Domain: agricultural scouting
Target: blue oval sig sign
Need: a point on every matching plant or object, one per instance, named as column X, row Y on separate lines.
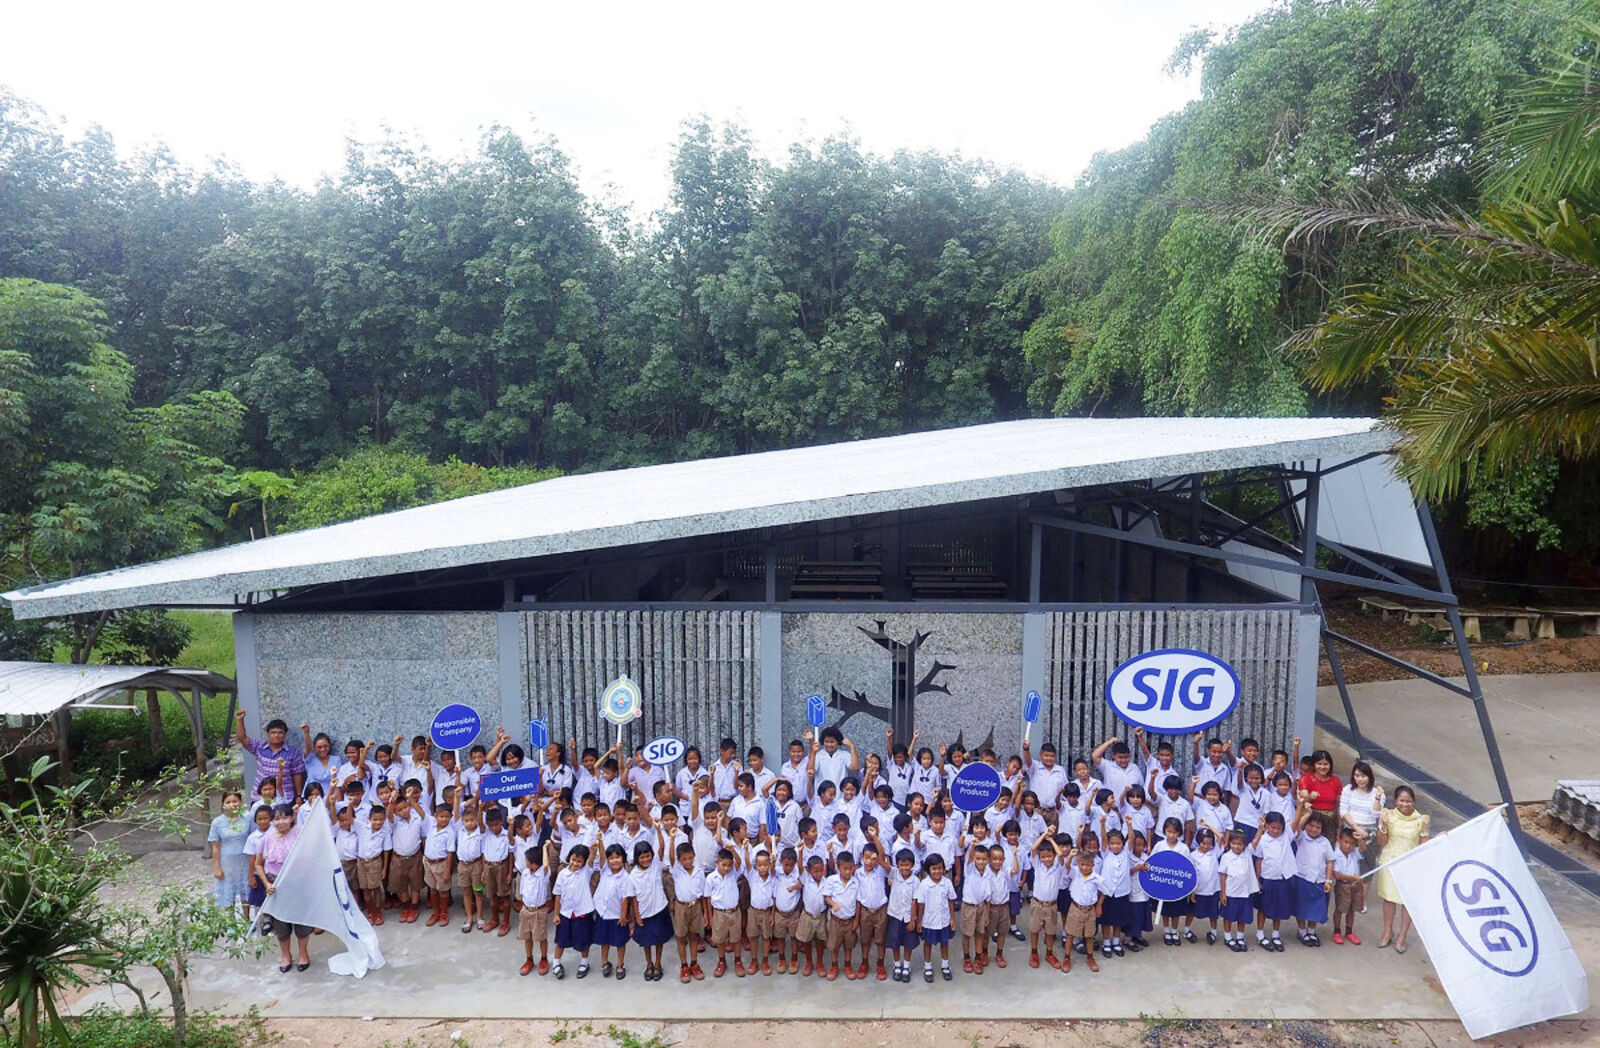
column 664, row 750
column 1173, row 691
column 1171, row 876
column 1490, row 918
column 975, row 787
column 455, row 726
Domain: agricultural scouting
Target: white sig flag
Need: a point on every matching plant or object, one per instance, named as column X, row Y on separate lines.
column 1499, row 950
column 312, row 889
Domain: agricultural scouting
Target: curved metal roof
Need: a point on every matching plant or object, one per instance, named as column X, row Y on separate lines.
column 43, row 687
column 711, row 496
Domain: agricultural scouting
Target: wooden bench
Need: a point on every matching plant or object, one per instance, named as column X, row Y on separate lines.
column 1520, row 622
column 835, row 590
column 1588, row 620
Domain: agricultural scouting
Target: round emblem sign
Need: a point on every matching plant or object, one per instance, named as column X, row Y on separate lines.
column 622, row 701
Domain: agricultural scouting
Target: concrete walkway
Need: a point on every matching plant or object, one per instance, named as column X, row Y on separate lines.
column 1547, row 726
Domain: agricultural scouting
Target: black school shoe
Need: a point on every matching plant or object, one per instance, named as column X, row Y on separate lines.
column 1211, row 938
column 927, row 974
column 948, row 975
column 1188, row 933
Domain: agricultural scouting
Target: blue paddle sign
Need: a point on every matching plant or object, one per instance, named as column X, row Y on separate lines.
column 538, row 736
column 1171, row 876
column 1030, row 707
column 772, row 816
column 517, row 782
column 816, row 711
column 455, row 726
column 975, row 787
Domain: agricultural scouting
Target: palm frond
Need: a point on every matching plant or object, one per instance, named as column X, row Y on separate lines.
column 1544, row 145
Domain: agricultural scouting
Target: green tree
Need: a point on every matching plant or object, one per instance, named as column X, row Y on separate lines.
column 1155, row 303
column 87, row 482
column 1486, row 330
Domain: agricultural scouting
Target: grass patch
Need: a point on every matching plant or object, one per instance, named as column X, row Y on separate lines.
column 103, row 1028
column 211, row 646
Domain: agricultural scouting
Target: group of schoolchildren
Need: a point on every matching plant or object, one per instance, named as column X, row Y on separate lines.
column 833, row 862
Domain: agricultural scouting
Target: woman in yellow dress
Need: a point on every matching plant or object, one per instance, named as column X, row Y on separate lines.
column 1400, row 829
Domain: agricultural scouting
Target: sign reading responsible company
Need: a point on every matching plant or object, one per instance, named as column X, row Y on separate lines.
column 455, row 726
column 1173, row 691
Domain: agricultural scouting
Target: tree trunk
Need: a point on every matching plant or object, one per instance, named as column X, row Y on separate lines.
column 173, row 977
column 158, row 735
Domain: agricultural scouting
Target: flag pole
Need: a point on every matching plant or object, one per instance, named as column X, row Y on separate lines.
column 1436, row 837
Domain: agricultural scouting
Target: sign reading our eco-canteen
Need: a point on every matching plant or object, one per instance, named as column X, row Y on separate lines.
column 975, row 787
column 1173, row 691
column 1171, row 876
column 455, row 726
column 515, row 782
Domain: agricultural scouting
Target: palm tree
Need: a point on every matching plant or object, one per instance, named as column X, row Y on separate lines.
column 1490, row 330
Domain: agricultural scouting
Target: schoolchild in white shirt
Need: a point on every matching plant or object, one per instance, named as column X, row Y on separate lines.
column 796, row 771
column 1276, row 869
column 1116, row 882
column 764, row 883
column 1137, row 817
column 1314, row 859
column 722, row 912
column 1118, row 770
column 1174, row 805
column 898, row 936
column 786, row 910
column 1206, row 901
column 1236, row 879
column 574, row 911
column 534, row 906
column 688, row 911
column 811, row 931
column 1047, row 778
column 1085, row 909
column 926, row 778
column 977, row 885
column 438, row 858
column 1044, row 918
column 930, row 917
column 899, row 772
column 613, row 911
column 469, row 866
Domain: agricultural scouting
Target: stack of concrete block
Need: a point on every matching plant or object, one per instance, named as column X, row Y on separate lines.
column 1576, row 806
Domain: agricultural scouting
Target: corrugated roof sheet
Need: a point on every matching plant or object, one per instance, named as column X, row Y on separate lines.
column 711, row 496
column 40, row 688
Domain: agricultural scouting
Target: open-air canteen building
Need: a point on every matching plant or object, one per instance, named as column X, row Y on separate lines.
column 923, row 582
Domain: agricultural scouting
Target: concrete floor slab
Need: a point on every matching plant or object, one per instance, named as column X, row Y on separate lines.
column 1547, row 726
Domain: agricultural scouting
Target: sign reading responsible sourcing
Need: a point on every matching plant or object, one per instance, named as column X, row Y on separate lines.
column 1171, row 876
column 1173, row 691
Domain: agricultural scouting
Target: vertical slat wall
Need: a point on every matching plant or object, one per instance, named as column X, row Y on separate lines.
column 698, row 671
column 1085, row 647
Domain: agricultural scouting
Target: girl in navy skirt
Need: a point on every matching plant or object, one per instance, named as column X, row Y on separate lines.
column 1139, row 901
column 574, row 894
column 931, row 918
column 613, row 911
column 1236, row 879
column 899, row 937
column 1314, row 873
column 652, row 917
column 1207, row 898
column 1277, row 869
column 1173, row 913
column 1116, row 881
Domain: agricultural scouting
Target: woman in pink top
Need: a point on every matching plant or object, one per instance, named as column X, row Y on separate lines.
column 275, row 848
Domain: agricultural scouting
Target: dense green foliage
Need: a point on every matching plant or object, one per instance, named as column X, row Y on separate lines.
column 482, row 312
column 1156, row 304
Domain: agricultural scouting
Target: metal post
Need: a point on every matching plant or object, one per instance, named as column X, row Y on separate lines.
column 1308, row 539
column 1344, row 693
column 1453, row 612
column 1035, row 559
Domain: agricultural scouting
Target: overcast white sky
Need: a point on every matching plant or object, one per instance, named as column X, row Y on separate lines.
column 276, row 88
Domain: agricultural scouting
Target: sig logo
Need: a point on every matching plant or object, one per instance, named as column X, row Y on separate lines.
column 1489, row 918
column 664, row 750
column 1173, row 691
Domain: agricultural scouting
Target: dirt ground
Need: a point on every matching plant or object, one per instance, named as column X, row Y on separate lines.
column 1562, row 654
column 1146, row 1032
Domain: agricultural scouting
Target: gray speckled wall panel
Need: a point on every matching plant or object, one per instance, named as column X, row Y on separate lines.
column 374, row 676
column 1086, row 646
column 699, row 671
column 978, row 690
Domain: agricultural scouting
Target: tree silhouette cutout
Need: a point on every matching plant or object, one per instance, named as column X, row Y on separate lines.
column 904, row 687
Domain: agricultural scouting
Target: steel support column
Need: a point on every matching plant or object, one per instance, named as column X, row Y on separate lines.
column 1453, row 612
